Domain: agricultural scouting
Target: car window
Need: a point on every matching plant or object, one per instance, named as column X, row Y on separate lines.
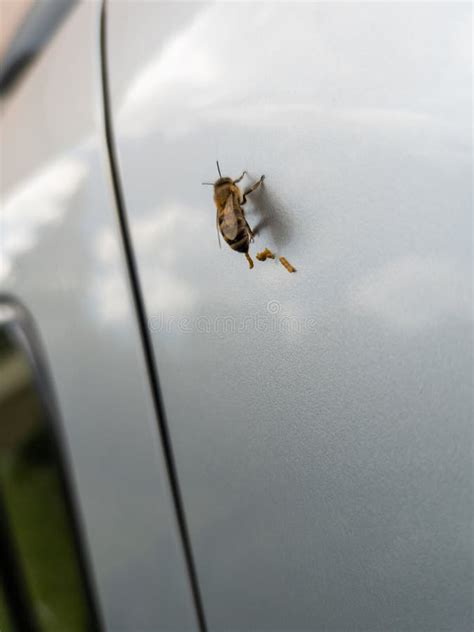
column 45, row 586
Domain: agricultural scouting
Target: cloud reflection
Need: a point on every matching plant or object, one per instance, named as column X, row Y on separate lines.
column 183, row 70
column 197, row 78
column 38, row 201
column 168, row 235
column 155, row 234
column 412, row 293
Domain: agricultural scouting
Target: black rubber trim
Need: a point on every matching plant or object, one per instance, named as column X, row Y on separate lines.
column 143, row 327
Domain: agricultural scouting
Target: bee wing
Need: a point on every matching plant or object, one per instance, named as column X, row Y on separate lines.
column 229, row 225
column 218, row 230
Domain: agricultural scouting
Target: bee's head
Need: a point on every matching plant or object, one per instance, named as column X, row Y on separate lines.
column 222, row 181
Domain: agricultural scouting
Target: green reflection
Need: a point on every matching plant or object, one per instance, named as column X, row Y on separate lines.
column 6, row 624
column 35, row 503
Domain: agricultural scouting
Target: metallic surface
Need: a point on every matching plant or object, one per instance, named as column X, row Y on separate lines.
column 321, row 421
column 13, row 14
column 62, row 257
column 37, row 27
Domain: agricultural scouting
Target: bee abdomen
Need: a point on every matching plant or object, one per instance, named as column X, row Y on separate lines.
column 241, row 242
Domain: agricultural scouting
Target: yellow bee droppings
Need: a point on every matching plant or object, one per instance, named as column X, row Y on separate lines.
column 249, row 259
column 265, row 254
column 286, row 264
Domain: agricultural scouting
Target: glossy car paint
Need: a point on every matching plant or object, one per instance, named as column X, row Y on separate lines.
column 62, row 258
column 321, row 421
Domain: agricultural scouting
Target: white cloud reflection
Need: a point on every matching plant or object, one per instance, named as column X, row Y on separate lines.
column 38, row 201
column 198, row 78
column 412, row 293
column 162, row 238
column 184, row 70
column 156, row 234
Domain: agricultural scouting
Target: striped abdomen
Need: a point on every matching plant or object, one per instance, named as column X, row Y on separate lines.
column 241, row 241
column 232, row 225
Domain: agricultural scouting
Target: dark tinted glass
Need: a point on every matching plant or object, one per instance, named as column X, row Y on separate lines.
column 45, row 573
column 6, row 623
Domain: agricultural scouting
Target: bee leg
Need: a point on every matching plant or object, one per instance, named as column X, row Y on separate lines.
column 249, row 259
column 251, row 189
column 251, row 233
column 239, row 179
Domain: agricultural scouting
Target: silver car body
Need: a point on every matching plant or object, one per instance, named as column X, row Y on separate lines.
column 320, row 422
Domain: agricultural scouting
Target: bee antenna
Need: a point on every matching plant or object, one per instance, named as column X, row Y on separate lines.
column 218, row 169
column 209, row 183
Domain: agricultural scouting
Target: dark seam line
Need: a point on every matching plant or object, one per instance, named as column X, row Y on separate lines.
column 143, row 328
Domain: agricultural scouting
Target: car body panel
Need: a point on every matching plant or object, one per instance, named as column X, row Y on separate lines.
column 62, row 257
column 321, row 421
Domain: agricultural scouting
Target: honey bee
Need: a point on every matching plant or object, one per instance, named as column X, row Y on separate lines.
column 230, row 217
